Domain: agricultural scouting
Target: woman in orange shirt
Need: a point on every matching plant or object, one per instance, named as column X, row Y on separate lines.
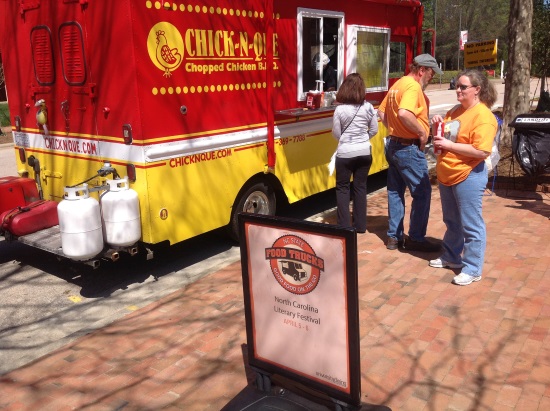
column 470, row 128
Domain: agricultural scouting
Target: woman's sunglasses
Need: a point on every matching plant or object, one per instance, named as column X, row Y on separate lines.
column 463, row 86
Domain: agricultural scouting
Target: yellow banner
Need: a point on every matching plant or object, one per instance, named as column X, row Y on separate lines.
column 480, row 53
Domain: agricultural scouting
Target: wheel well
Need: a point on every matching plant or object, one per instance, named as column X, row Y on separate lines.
column 269, row 179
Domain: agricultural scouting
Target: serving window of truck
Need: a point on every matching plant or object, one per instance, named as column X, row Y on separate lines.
column 319, row 32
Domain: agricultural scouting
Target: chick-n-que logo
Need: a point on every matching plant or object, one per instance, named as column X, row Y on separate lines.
column 165, row 47
column 207, row 51
column 294, row 264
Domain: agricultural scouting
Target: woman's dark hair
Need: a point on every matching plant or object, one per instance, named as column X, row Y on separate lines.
column 352, row 90
column 487, row 92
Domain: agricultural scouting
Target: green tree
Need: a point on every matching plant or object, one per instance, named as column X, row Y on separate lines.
column 482, row 20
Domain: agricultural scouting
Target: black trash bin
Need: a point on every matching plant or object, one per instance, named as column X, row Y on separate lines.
column 531, row 142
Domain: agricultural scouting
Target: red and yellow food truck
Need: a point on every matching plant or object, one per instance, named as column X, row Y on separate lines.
column 205, row 106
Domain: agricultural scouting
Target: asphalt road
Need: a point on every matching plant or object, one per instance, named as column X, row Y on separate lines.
column 7, row 160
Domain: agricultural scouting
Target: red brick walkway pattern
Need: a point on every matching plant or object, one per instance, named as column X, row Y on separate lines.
column 425, row 344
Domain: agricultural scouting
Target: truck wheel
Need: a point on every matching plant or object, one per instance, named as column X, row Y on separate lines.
column 258, row 199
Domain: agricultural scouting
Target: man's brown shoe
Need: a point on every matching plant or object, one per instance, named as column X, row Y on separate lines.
column 394, row 243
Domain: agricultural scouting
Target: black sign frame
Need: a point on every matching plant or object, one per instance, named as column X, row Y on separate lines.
column 349, row 238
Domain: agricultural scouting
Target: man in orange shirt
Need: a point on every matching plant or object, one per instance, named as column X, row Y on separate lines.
column 404, row 111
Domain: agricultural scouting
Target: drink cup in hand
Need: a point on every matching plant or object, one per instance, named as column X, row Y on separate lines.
column 439, row 127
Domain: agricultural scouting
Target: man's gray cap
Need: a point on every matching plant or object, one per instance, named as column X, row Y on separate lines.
column 425, row 60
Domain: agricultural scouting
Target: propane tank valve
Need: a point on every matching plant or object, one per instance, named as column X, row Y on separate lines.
column 106, row 170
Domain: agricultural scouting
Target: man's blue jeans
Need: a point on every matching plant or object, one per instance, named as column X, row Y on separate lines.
column 465, row 239
column 408, row 168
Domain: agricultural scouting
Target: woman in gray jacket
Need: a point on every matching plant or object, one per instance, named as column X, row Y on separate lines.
column 354, row 123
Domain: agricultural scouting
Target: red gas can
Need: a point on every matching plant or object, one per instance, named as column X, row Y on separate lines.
column 16, row 192
column 28, row 219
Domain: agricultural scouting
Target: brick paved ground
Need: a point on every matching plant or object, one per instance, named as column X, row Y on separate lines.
column 425, row 344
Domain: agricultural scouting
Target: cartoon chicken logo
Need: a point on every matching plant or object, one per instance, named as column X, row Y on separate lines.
column 167, row 57
column 165, row 46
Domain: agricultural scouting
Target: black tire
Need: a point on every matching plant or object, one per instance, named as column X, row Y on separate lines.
column 259, row 198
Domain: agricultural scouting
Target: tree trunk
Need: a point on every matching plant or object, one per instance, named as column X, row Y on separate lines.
column 516, row 92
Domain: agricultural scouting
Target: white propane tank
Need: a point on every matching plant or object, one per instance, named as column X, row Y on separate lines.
column 120, row 214
column 80, row 224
